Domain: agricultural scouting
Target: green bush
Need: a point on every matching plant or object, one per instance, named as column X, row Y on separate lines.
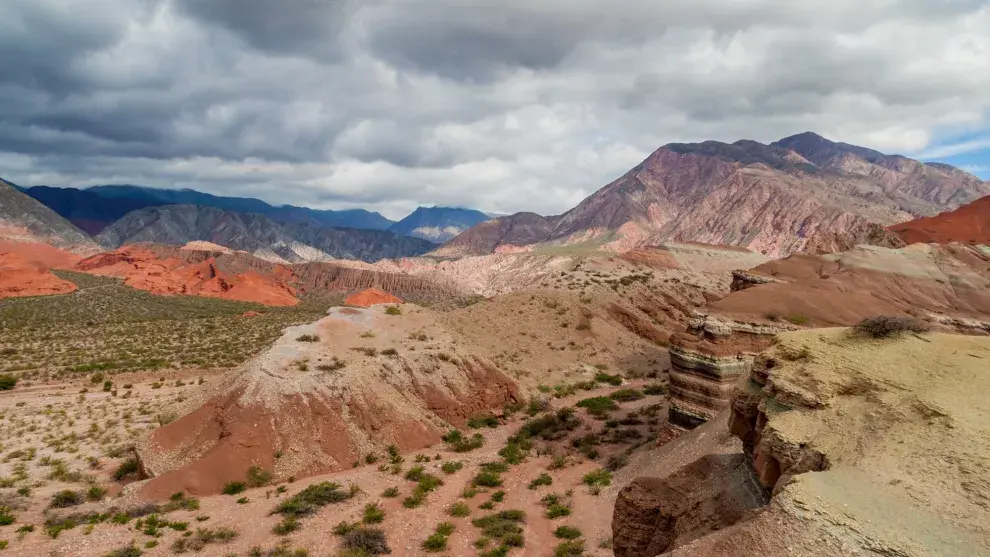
column 288, row 525
column 373, row 514
column 457, row 442
column 234, row 487
column 567, row 533
column 485, row 478
column 391, row 492
column 600, row 477
column 129, row 467
column 312, row 498
column 66, row 498
column 393, row 310
column 655, row 389
column 435, row 543
column 459, row 510
column 308, row 338
column 543, row 479
column 598, row 406
column 258, row 477
column 626, row 395
column 603, row 377
column 484, row 420
column 6, row 516
column 7, row 382
column 570, row 548
column 451, row 466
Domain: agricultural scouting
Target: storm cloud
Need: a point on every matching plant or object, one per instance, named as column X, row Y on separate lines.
column 502, row 105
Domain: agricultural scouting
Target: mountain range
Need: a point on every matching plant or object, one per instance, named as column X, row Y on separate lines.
column 292, row 242
column 802, row 193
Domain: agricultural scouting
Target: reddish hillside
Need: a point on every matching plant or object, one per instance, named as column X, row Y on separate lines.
column 20, row 277
column 141, row 268
column 370, row 297
column 968, row 224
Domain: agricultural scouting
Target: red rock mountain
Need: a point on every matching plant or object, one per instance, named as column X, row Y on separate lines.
column 969, row 224
column 802, row 193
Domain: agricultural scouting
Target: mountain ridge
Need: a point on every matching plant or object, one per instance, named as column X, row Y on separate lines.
column 801, row 193
column 257, row 234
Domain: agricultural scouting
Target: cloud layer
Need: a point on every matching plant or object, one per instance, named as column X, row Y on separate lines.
column 503, row 105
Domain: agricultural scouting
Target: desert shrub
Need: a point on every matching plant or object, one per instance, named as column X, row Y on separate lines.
column 598, row 406
column 567, row 533
column 550, row 426
column 516, row 450
column 203, row 537
column 503, row 526
column 234, row 487
column 487, row 478
column 393, row 310
column 334, row 365
column 570, row 548
column 415, row 473
column 66, row 498
column 600, row 477
column 885, row 326
column 457, row 442
column 370, row 540
column 258, row 477
column 6, row 516
column 126, row 551
column 308, row 338
column 391, row 492
column 655, row 389
column 483, row 420
column 557, row 510
column 626, row 395
column 435, row 543
column 451, row 466
column 312, row 498
column 95, row 493
column 126, row 469
column 543, row 479
column 459, row 510
column 373, row 514
column 7, row 382
column 288, row 525
column 603, row 377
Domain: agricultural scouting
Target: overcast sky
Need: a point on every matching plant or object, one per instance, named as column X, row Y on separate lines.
column 501, row 105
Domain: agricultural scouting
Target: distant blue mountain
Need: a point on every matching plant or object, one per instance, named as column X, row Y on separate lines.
column 351, row 218
column 438, row 224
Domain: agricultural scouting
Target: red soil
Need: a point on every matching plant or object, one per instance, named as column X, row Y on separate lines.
column 968, row 224
column 20, row 277
column 47, row 255
column 143, row 270
column 370, row 297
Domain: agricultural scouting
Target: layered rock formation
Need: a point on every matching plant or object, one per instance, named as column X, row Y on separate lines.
column 865, row 446
column 968, row 224
column 803, row 193
column 945, row 285
column 305, row 408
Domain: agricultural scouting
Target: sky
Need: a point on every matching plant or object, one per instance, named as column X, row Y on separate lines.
column 499, row 105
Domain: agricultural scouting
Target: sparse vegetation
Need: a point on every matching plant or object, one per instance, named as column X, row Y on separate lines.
column 372, row 541
column 312, row 498
column 886, row 326
column 308, row 338
column 542, row 480
column 7, row 382
column 203, row 537
column 393, row 310
column 234, row 487
column 457, row 442
column 599, row 406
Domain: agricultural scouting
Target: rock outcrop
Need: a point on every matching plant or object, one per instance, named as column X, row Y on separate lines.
column 655, row 515
column 21, row 277
column 863, row 446
column 305, row 408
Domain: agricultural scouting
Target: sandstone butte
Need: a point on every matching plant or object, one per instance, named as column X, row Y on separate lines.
column 370, row 297
column 968, row 224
